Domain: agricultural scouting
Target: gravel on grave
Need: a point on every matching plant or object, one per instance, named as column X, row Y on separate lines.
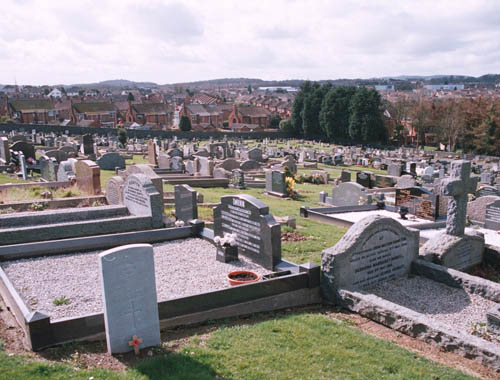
column 452, row 307
column 183, row 268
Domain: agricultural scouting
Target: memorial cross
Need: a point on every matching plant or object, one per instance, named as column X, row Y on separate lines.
column 458, row 186
column 135, row 342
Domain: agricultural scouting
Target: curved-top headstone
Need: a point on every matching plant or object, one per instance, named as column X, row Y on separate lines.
column 348, row 194
column 250, row 165
column 374, row 250
column 229, row 164
column 150, row 173
column 26, row 148
column 88, row 176
column 405, row 181
column 258, row 235
column 476, row 210
column 111, row 161
column 142, row 199
column 114, row 190
column 65, row 171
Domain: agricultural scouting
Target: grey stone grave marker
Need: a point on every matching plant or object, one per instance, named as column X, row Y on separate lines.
column 258, row 235
column 492, row 219
column 129, row 297
column 375, row 249
column 348, row 194
column 111, row 161
column 4, row 150
column 48, row 168
column 275, row 183
column 141, row 198
column 114, row 190
column 186, row 206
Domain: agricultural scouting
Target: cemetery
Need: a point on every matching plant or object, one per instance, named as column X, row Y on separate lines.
column 119, row 242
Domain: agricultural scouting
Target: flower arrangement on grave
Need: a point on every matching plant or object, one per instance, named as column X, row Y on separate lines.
column 290, row 187
column 179, row 223
column 228, row 240
column 314, row 179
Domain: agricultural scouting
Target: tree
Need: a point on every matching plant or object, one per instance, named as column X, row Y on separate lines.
column 249, row 88
column 365, row 119
column 312, row 108
column 286, row 126
column 122, row 136
column 130, row 97
column 46, row 91
column 298, row 105
column 185, row 123
column 274, row 121
column 334, row 114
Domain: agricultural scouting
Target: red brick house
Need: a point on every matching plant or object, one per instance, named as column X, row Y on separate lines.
column 99, row 114
column 151, row 113
column 249, row 115
column 33, row 111
column 202, row 115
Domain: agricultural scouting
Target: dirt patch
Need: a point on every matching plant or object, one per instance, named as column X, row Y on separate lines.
column 88, row 355
column 293, row 236
column 487, row 271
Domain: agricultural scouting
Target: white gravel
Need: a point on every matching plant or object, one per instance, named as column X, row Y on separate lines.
column 183, row 268
column 453, row 307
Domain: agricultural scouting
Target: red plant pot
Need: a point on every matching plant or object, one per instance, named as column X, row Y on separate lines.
column 240, row 277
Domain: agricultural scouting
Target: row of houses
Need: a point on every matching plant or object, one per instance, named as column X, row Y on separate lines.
column 98, row 114
column 280, row 105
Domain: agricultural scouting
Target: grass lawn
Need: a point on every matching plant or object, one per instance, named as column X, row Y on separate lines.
column 296, row 346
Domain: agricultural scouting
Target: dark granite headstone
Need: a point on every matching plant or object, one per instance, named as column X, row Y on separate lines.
column 364, row 179
column 258, row 235
column 87, row 144
column 345, row 176
column 186, row 206
column 238, row 179
column 26, row 148
column 275, row 183
column 111, row 161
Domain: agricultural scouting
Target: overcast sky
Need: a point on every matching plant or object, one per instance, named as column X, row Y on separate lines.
column 52, row 41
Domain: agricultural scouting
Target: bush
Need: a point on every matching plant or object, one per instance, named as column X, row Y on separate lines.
column 185, row 124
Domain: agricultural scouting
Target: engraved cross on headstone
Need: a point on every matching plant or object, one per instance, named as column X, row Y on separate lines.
column 458, row 186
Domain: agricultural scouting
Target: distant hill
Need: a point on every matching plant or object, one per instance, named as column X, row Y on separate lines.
column 120, row 83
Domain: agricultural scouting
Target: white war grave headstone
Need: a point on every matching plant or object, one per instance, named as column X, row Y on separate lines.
column 129, row 297
column 454, row 248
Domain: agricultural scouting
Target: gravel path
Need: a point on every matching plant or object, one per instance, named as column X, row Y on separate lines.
column 183, row 268
column 453, row 307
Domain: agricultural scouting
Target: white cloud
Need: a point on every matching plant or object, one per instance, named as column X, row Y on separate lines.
column 165, row 41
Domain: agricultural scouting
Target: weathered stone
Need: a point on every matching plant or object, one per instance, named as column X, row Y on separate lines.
column 186, row 206
column 374, row 250
column 492, row 219
column 250, row 165
column 405, row 181
column 476, row 210
column 348, row 194
column 114, row 190
column 111, row 161
column 88, row 176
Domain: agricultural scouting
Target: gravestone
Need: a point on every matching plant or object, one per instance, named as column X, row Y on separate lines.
column 385, row 181
column 163, row 161
column 186, row 206
column 65, row 171
column 143, row 199
column 487, row 190
column 395, row 169
column 276, row 183
column 87, row 147
column 4, row 150
column 476, row 210
column 348, row 194
column 23, row 167
column 150, row 173
column 205, row 166
column 88, row 176
column 114, row 190
column 454, row 249
column 129, row 297
column 152, row 159
column 238, row 179
column 249, row 165
column 364, row 179
column 374, row 250
column 345, row 176
column 405, row 181
column 258, row 235
column 290, row 163
column 229, row 164
column 26, row 148
column 420, row 202
column 492, row 219
column 255, row 154
column 176, row 163
column 48, row 168
column 111, row 161
column 58, row 154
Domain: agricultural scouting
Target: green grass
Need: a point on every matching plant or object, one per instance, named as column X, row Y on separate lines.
column 297, row 346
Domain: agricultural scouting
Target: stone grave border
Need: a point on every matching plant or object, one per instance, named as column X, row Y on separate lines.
column 32, row 184
column 417, row 325
column 54, row 203
column 291, row 285
column 326, row 215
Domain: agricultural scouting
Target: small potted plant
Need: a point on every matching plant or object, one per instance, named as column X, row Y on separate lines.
column 240, row 277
